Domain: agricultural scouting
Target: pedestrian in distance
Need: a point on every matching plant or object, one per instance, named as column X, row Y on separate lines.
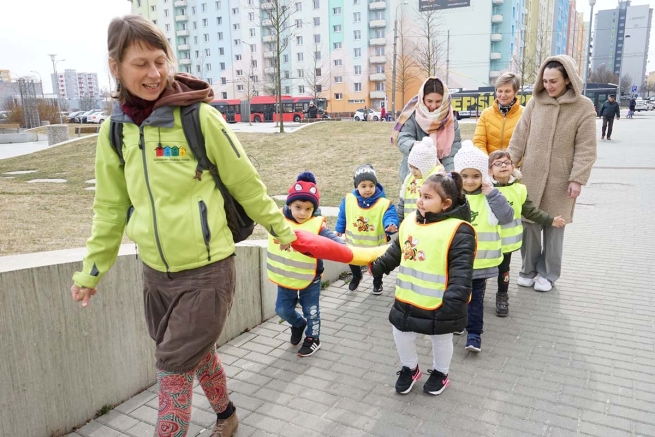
column 608, row 110
column 489, row 211
column 366, row 219
column 507, row 180
column 428, row 114
column 631, row 107
column 298, row 276
column 555, row 146
column 434, row 252
column 187, row 252
column 312, row 111
column 383, row 113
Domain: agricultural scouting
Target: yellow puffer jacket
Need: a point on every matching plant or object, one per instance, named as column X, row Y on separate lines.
column 494, row 130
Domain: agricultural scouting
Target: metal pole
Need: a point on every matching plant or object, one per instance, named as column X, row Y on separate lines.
column 393, row 69
column 588, row 51
column 56, row 84
column 40, row 81
column 447, row 56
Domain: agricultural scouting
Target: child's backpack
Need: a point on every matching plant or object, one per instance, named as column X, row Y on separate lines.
column 238, row 221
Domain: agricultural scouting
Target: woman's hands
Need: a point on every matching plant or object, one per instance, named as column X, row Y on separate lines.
column 82, row 294
column 574, row 190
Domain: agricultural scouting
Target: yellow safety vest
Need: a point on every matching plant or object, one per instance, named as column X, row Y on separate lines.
column 364, row 226
column 292, row 269
column 511, row 234
column 423, row 272
column 412, row 194
column 489, row 253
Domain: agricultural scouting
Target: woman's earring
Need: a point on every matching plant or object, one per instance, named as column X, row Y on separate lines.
column 118, row 85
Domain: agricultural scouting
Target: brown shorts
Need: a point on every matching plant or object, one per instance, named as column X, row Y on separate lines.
column 186, row 311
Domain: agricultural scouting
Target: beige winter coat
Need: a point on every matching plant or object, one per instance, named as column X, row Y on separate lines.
column 555, row 142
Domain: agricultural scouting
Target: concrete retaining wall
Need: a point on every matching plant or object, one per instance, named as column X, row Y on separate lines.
column 60, row 363
column 23, row 137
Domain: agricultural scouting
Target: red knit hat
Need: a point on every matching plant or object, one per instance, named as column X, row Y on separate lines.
column 305, row 189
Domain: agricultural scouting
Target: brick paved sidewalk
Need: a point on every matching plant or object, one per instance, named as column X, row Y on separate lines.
column 579, row 360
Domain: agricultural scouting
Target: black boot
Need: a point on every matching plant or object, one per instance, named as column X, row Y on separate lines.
column 502, row 304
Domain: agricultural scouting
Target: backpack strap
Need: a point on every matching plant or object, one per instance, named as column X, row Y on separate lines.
column 116, row 139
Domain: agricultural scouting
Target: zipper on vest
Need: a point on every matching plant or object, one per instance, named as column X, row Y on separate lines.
column 502, row 131
column 142, row 144
column 231, row 143
column 204, row 224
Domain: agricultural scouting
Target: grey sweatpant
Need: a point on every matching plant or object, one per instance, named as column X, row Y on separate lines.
column 546, row 259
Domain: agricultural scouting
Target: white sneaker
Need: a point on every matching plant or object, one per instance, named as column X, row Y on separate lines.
column 525, row 282
column 542, row 284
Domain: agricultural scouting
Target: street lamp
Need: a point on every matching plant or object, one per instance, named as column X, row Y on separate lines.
column 40, row 81
column 393, row 69
column 55, row 83
column 592, row 3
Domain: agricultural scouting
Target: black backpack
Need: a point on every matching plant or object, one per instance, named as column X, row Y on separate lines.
column 238, row 221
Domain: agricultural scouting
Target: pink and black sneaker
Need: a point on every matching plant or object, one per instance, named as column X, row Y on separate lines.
column 437, row 383
column 406, row 379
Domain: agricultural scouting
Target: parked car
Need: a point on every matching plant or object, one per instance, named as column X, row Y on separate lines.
column 72, row 115
column 650, row 105
column 640, row 105
column 82, row 118
column 372, row 115
column 97, row 117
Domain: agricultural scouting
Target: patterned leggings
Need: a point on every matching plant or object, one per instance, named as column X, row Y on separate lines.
column 176, row 390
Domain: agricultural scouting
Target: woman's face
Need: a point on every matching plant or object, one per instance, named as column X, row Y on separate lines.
column 505, row 94
column 554, row 82
column 433, row 101
column 143, row 71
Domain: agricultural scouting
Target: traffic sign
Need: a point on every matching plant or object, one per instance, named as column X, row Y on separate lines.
column 634, row 88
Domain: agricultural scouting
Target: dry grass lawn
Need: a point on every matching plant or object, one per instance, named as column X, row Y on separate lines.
column 41, row 217
column 71, row 129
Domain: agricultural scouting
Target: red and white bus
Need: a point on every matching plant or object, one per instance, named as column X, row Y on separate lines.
column 230, row 109
column 264, row 108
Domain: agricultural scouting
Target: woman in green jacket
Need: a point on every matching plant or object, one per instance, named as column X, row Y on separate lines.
column 178, row 221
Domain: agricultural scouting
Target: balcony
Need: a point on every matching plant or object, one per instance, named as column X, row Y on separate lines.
column 494, row 56
column 267, row 23
column 378, row 59
column 180, row 4
column 267, row 5
column 496, row 37
column 494, row 74
column 185, row 61
column 180, row 18
column 183, row 47
column 269, row 70
column 182, row 33
column 269, row 55
column 377, row 77
column 269, row 38
column 378, row 42
column 497, row 2
column 377, row 23
column 497, row 19
column 378, row 94
column 377, row 5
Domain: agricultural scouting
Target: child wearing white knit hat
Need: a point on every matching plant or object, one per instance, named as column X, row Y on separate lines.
column 489, row 210
column 423, row 163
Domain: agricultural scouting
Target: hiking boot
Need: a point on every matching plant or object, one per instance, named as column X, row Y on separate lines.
column 406, row 379
column 377, row 289
column 309, row 347
column 296, row 334
column 502, row 304
column 354, row 283
column 226, row 427
column 437, row 383
column 473, row 343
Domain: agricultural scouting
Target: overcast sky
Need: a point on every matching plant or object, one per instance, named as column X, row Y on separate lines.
column 77, row 32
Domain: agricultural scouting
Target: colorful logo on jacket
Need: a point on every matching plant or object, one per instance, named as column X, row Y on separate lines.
column 412, row 187
column 362, row 225
column 411, row 252
column 170, row 154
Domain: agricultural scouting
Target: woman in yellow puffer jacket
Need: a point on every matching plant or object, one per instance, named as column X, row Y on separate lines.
column 496, row 123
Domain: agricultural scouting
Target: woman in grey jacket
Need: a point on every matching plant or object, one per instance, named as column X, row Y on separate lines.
column 428, row 114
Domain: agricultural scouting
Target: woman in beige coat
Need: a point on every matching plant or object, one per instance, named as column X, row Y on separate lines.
column 555, row 145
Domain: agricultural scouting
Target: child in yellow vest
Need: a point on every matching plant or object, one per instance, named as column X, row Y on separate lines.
column 511, row 235
column 423, row 163
column 366, row 217
column 298, row 276
column 435, row 251
column 489, row 211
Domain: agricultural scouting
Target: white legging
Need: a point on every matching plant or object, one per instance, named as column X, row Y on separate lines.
column 442, row 349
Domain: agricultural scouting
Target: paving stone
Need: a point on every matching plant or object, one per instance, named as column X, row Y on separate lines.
column 117, row 420
column 135, row 402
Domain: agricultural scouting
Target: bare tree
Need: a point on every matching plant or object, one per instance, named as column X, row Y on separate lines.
column 251, row 85
column 429, row 52
column 603, row 75
column 647, row 87
column 315, row 76
column 625, row 84
column 538, row 50
column 406, row 64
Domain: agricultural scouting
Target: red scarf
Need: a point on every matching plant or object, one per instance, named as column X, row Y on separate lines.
column 138, row 109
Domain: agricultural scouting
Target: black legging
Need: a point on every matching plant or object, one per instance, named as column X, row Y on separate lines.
column 503, row 273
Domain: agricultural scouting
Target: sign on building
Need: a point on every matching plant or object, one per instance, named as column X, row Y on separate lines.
column 432, row 5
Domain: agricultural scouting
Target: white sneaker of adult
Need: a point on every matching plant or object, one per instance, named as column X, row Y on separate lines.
column 542, row 284
column 525, row 282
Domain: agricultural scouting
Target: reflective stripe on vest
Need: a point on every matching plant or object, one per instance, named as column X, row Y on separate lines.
column 411, row 194
column 292, row 269
column 423, row 273
column 511, row 234
column 489, row 252
column 364, row 226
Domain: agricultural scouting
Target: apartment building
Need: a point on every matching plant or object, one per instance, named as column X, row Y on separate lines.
column 72, row 85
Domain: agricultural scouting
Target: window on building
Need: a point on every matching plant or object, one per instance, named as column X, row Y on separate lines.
column 287, row 90
column 379, row 51
column 298, row 6
column 300, row 56
column 317, row 55
column 237, row 26
column 317, row 21
column 358, row 69
column 299, row 24
column 237, row 42
column 338, row 79
column 224, row 95
column 336, row 11
column 239, row 72
column 317, row 4
column 203, row 7
column 197, row 54
column 193, row 10
column 222, row 66
column 338, row 96
column 336, row 45
column 358, row 86
column 337, row 28
column 219, row 20
column 253, row 63
column 253, row 31
column 168, row 28
column 251, row 16
column 235, row 11
column 357, row 53
column 209, row 80
column 153, row 8
column 237, row 57
column 357, row 17
column 317, row 72
column 208, row 67
column 155, row 22
column 356, row 2
column 299, row 40
column 166, row 12
column 239, row 87
column 379, row 86
column 206, row 37
column 285, row 58
column 338, row 63
column 223, row 80
column 301, row 73
column 207, row 52
column 220, row 36
column 319, row 88
column 379, row 33
column 317, row 38
column 253, row 48
column 218, row 5
column 138, row 3
column 357, row 34
column 287, row 74
column 379, row 68
column 301, row 89
column 198, row 69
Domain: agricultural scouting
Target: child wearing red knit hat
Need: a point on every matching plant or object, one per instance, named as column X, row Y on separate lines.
column 298, row 276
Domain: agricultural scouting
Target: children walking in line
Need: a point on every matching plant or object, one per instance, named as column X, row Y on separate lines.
column 366, row 217
column 298, row 276
column 489, row 211
column 435, row 251
column 423, row 163
column 506, row 179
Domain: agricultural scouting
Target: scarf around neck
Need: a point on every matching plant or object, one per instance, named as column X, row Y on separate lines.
column 504, row 109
